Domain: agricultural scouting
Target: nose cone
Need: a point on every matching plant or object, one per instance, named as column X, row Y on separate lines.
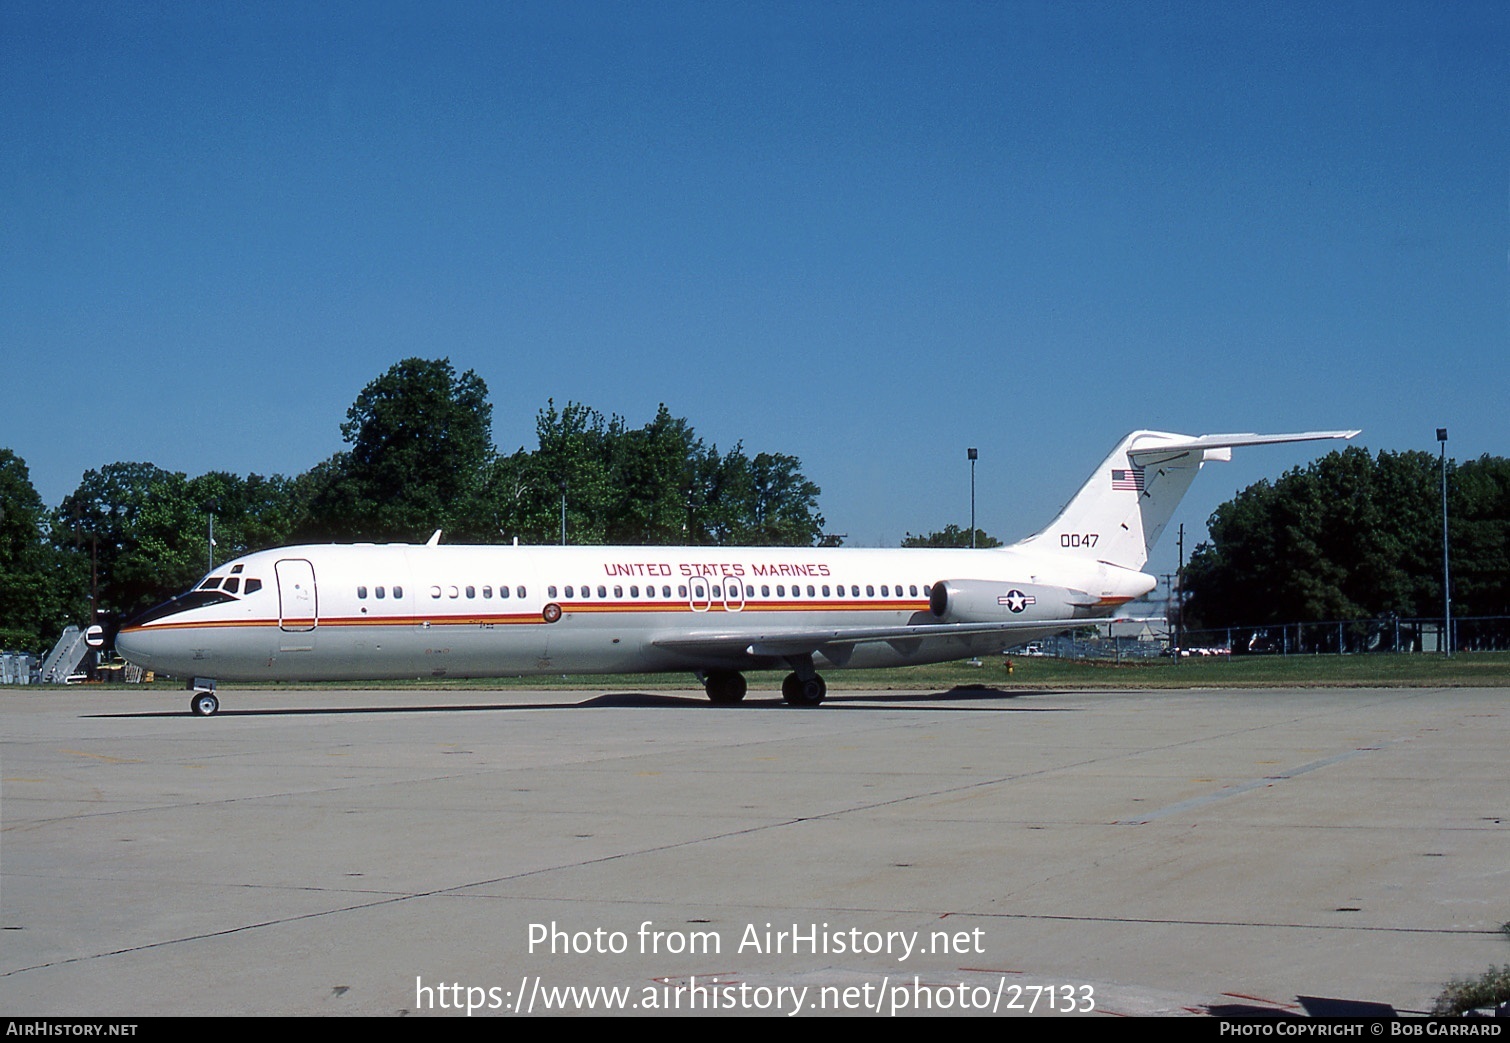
column 138, row 646
column 165, row 649
column 157, row 640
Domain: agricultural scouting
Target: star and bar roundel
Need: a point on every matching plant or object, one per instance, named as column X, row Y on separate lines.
column 1016, row 600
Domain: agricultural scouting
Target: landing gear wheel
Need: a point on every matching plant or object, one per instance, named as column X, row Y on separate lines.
column 204, row 704
column 725, row 686
column 798, row 692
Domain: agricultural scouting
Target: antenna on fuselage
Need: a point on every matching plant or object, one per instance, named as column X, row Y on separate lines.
column 434, row 540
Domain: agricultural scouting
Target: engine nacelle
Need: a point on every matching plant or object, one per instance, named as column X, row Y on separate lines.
column 990, row 601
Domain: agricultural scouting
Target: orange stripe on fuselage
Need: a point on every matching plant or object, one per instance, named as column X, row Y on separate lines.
column 534, row 618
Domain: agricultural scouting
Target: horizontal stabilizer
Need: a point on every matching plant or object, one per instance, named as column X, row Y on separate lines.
column 1208, row 442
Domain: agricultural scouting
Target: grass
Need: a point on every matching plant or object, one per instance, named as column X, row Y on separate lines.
column 1469, row 669
column 1489, row 989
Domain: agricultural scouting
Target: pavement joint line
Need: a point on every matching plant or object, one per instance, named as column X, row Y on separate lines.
column 1238, row 789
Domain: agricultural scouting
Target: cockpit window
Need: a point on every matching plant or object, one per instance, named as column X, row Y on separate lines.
column 253, row 585
column 232, row 585
column 182, row 603
column 210, row 584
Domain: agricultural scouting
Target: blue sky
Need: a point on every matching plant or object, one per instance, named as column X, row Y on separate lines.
column 865, row 234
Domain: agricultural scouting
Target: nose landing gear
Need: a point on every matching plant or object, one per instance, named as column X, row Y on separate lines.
column 203, row 702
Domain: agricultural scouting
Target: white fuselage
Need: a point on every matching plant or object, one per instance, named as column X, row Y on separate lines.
column 355, row 612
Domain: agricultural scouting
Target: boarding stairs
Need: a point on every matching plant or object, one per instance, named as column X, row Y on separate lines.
column 63, row 661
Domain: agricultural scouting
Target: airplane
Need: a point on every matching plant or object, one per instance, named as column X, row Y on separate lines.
column 394, row 611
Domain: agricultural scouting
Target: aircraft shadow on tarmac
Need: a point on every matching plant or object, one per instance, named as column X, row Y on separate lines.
column 1314, row 1007
column 965, row 694
column 965, row 697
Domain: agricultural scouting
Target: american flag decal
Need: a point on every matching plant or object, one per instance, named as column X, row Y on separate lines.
column 1130, row 480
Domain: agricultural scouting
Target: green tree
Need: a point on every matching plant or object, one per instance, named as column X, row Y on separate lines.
column 952, row 536
column 780, row 508
column 1353, row 536
column 513, row 503
column 1479, row 508
column 148, row 530
column 421, row 443
column 322, row 506
column 735, row 500
column 136, row 522
column 41, row 588
column 573, row 461
column 658, row 484
column 652, row 471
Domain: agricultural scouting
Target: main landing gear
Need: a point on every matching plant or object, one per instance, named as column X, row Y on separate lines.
column 726, row 687
column 799, row 692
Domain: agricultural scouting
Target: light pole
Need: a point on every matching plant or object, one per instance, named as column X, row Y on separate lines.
column 1179, row 619
column 1446, row 575
column 210, row 509
column 972, row 454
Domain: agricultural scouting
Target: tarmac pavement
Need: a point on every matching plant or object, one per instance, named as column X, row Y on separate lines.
column 411, row 852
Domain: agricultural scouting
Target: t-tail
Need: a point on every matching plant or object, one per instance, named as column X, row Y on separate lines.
column 1118, row 515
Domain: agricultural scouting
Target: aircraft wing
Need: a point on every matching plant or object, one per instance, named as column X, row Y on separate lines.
column 798, row 641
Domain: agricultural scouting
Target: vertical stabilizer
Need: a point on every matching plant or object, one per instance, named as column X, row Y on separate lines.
column 1120, row 512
